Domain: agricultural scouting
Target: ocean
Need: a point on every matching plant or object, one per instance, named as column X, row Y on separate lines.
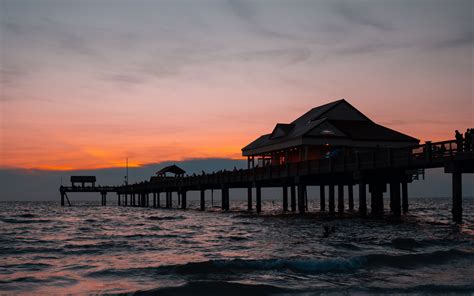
column 89, row 249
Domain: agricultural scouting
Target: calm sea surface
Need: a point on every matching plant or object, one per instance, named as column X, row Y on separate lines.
column 88, row 249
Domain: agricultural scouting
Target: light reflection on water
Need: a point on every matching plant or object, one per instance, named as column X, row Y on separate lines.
column 91, row 249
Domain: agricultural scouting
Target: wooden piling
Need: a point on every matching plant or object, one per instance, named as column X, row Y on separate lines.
column 395, row 206
column 376, row 204
column 203, row 200
column 183, row 200
column 168, row 199
column 293, row 198
column 331, row 200
column 301, row 198
column 249, row 198
column 259, row 199
column 225, row 198
column 285, row 199
column 405, row 196
column 350, row 191
column 362, row 199
column 457, row 197
column 322, row 198
column 340, row 199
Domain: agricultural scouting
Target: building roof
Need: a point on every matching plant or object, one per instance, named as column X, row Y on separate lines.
column 173, row 169
column 336, row 120
column 80, row 179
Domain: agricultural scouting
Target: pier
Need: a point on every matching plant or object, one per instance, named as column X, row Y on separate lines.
column 372, row 172
column 334, row 147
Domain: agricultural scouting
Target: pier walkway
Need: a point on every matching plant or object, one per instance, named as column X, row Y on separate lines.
column 374, row 169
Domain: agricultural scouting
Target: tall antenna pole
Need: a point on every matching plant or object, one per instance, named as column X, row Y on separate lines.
column 126, row 180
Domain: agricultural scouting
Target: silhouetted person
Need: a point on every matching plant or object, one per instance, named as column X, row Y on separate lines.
column 467, row 140
column 472, row 138
column 459, row 141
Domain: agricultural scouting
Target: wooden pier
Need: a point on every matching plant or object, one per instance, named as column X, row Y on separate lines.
column 372, row 170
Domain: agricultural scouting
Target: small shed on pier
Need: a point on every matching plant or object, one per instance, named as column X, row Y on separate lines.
column 83, row 180
column 174, row 170
column 323, row 132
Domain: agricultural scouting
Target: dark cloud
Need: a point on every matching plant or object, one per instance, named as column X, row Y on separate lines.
column 130, row 79
column 462, row 39
column 286, row 55
column 248, row 12
column 360, row 14
column 19, row 184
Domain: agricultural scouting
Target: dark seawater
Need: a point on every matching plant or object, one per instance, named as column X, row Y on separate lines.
column 88, row 249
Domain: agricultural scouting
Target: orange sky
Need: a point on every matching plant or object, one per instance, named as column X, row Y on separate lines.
column 87, row 90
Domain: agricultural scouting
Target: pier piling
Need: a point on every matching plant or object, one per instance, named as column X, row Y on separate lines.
column 350, row 192
column 183, row 200
column 331, row 200
column 285, row 199
column 259, row 199
column 301, row 198
column 362, row 199
column 249, row 199
column 203, row 200
column 340, row 199
column 322, row 198
column 405, row 196
column 293, row 198
column 395, row 206
column 457, row 197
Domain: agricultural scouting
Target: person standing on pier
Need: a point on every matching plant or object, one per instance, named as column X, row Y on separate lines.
column 468, row 140
column 459, row 141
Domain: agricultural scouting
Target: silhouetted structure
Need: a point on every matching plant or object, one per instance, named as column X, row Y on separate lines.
column 334, row 128
column 295, row 156
column 83, row 180
column 172, row 169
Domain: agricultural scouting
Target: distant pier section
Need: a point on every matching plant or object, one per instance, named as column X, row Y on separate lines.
column 334, row 147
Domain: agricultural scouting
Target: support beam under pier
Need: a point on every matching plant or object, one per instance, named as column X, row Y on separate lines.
column 350, row 191
column 249, row 199
column 203, row 200
column 259, row 199
column 362, row 199
column 405, row 196
column 183, row 200
column 322, row 198
column 457, row 197
column 285, row 199
column 301, row 198
column 340, row 199
column 331, row 200
column 395, row 206
column 293, row 198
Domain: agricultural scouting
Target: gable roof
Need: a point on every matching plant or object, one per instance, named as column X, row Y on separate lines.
column 363, row 130
column 338, row 115
column 174, row 169
column 281, row 130
column 319, row 112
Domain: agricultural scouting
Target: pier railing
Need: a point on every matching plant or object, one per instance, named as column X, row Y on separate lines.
column 428, row 155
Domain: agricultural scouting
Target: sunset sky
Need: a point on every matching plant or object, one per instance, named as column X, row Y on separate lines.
column 85, row 84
